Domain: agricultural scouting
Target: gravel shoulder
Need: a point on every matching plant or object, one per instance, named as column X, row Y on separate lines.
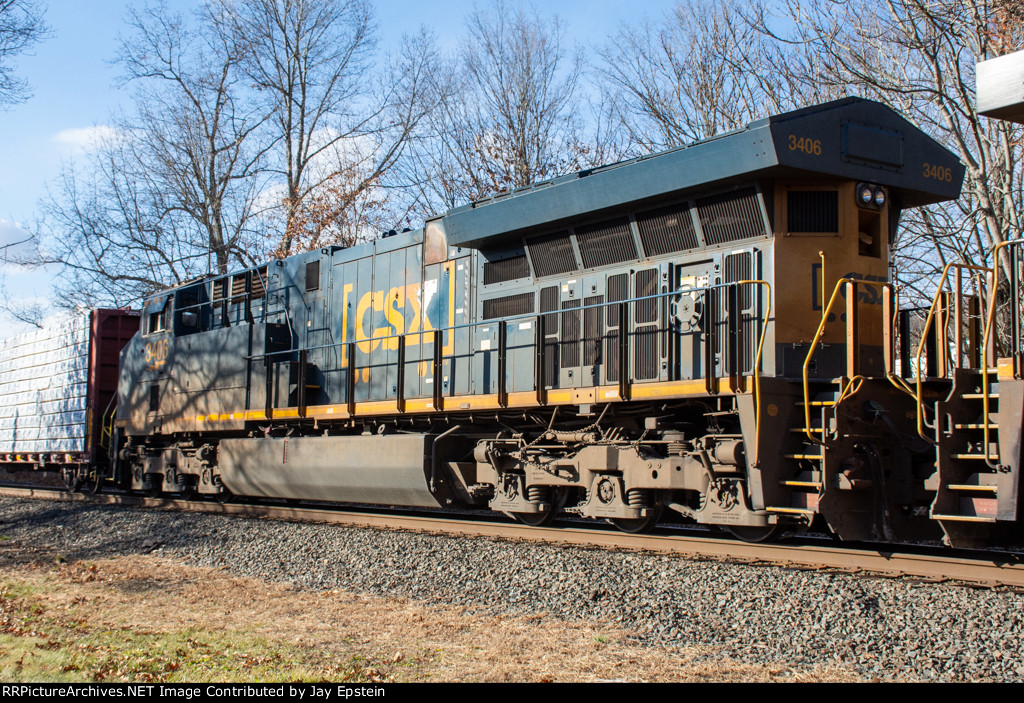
column 427, row 607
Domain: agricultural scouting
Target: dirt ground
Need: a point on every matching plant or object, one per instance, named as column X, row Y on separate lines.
column 312, row 635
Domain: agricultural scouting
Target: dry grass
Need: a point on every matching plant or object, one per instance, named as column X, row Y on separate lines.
column 141, row 618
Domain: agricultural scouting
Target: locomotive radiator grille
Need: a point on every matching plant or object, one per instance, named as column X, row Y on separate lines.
column 645, row 344
column 606, row 243
column 731, row 216
column 667, row 230
column 552, row 254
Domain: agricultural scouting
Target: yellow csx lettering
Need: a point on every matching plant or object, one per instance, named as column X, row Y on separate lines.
column 393, row 305
column 156, row 353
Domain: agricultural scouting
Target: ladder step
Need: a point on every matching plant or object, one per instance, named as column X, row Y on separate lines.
column 975, row 456
column 802, row 430
column 819, row 403
column 963, row 518
column 979, row 396
column 804, row 456
column 802, row 484
column 975, row 426
column 795, row 511
column 972, row 487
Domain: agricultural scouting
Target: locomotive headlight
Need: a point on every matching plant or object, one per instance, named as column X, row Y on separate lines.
column 879, row 198
column 865, row 194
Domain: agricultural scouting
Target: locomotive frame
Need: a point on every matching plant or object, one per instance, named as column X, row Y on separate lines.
column 710, row 331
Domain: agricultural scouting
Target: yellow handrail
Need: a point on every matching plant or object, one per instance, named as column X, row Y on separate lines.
column 919, row 396
column 989, row 321
column 897, row 382
column 845, row 390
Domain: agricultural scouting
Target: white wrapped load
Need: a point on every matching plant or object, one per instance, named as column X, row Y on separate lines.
column 44, row 378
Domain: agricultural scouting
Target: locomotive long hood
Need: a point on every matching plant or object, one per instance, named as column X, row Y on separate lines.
column 852, row 138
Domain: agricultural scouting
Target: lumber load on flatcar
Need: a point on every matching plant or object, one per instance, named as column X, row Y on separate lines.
column 57, row 387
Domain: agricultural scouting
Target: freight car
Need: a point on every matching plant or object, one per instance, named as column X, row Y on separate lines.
column 707, row 333
column 57, row 388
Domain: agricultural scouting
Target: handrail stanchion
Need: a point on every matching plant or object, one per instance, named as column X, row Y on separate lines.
column 502, row 363
column 350, row 381
column 438, row 370
column 624, row 351
column 710, row 342
column 540, row 361
column 400, row 380
column 852, row 341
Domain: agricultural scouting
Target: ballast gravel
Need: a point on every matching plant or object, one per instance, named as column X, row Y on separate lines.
column 882, row 628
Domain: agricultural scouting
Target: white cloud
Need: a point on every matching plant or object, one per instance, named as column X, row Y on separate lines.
column 84, row 139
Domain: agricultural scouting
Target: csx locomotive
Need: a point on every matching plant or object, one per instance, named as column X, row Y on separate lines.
column 707, row 334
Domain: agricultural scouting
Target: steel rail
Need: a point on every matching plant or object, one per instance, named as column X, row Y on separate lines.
column 1004, row 570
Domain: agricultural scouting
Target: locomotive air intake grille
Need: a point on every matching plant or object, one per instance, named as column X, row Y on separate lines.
column 813, row 211
column 508, row 306
column 646, row 285
column 570, row 333
column 506, row 270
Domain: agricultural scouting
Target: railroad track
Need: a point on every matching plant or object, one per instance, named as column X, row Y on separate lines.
column 987, row 569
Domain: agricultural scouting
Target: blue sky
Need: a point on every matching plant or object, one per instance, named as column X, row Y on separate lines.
column 74, row 91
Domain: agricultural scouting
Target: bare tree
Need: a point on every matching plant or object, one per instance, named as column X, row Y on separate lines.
column 109, row 224
column 512, row 114
column 16, row 245
column 311, row 61
column 21, row 27
column 705, row 70
column 196, row 127
column 700, row 71
column 171, row 191
column 28, row 312
column 919, row 56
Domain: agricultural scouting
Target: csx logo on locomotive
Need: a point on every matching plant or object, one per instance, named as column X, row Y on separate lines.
column 403, row 309
column 383, row 316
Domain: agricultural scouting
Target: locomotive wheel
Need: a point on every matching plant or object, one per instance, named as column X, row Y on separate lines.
column 754, row 535
column 640, row 524
column 534, row 519
column 540, row 519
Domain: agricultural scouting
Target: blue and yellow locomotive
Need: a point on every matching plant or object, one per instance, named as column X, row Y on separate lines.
column 708, row 332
